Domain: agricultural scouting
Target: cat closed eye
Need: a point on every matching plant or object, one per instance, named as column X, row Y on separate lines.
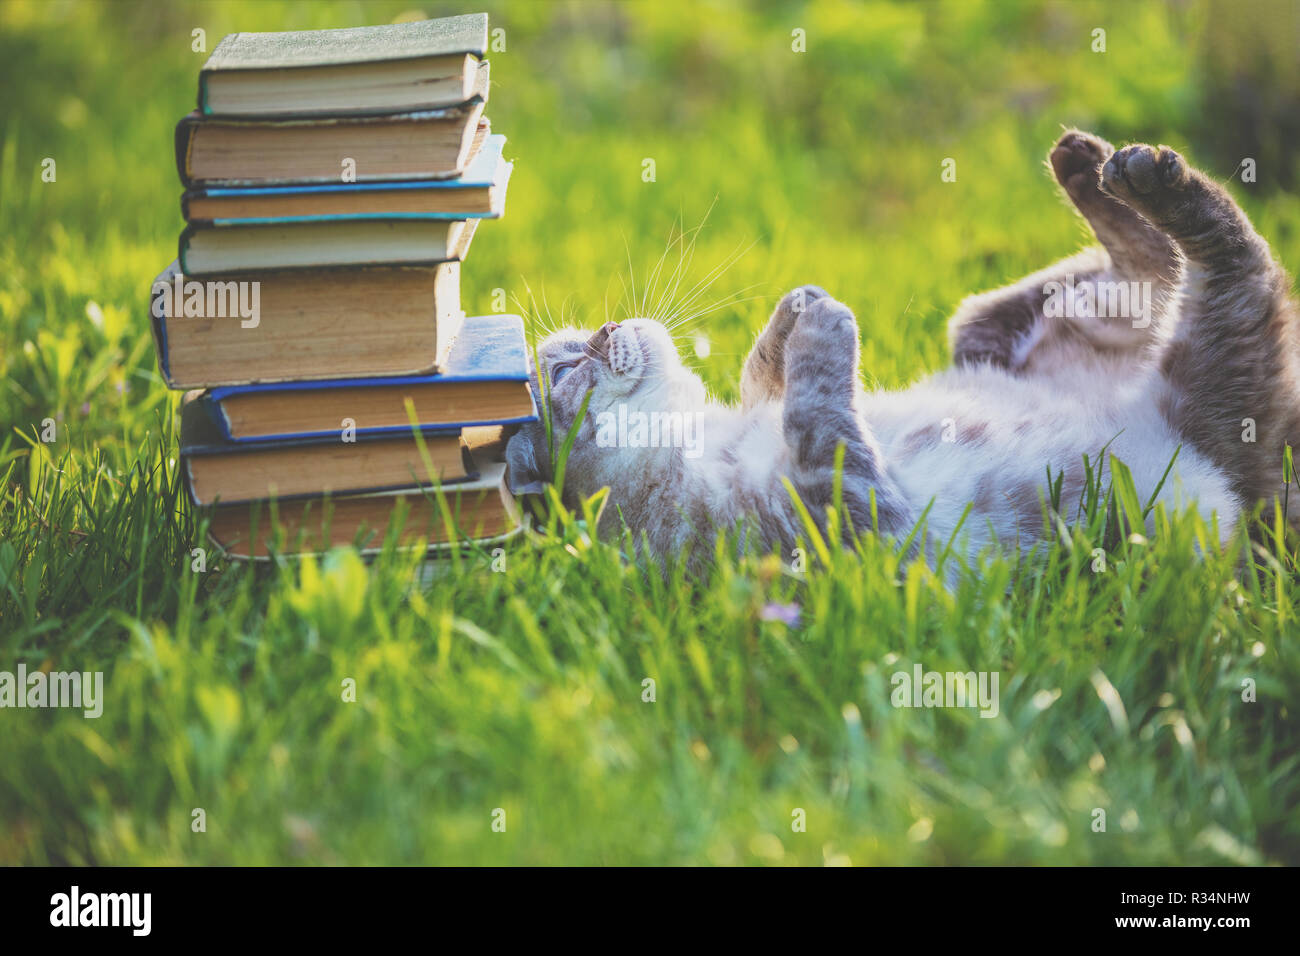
column 559, row 372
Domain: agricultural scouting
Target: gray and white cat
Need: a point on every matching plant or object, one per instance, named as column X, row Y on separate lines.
column 1043, row 373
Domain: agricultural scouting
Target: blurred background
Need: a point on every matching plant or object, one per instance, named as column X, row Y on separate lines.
column 796, row 143
column 817, row 166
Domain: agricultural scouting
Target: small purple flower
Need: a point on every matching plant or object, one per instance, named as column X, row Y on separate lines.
column 786, row 613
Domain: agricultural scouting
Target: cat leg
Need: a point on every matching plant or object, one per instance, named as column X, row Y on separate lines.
column 1002, row 326
column 1132, row 297
column 1137, row 249
column 763, row 376
column 1138, row 264
column 1232, row 366
column 821, row 412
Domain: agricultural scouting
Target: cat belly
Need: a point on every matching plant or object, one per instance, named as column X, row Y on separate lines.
column 983, row 438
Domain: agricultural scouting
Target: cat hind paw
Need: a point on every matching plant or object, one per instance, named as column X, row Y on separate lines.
column 1142, row 174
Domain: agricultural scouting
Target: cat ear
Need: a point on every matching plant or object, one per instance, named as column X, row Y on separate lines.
column 525, row 474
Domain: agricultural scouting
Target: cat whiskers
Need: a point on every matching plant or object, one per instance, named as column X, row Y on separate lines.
column 674, row 306
column 677, row 311
column 540, row 316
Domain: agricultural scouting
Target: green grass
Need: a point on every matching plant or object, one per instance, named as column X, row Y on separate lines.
column 523, row 690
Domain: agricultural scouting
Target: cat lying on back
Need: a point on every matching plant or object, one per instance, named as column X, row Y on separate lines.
column 1042, row 375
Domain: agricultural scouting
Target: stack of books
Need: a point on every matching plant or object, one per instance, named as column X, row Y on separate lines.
column 333, row 183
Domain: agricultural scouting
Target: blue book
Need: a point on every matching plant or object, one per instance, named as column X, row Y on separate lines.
column 218, row 471
column 478, row 193
column 485, row 381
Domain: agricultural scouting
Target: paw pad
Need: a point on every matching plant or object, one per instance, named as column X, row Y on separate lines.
column 1143, row 170
column 1078, row 154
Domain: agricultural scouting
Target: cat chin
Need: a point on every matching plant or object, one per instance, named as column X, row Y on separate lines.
column 663, row 385
column 642, row 361
column 650, row 341
column 638, row 370
column 629, row 354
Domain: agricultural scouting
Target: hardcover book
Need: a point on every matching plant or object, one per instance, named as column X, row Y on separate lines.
column 479, row 192
column 481, row 509
column 394, row 67
column 307, row 324
column 220, row 471
column 424, row 144
column 323, row 243
column 484, row 382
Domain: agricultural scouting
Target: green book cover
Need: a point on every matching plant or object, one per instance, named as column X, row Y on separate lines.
column 389, row 41
column 350, row 47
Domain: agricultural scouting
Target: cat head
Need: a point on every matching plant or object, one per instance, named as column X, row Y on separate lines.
column 632, row 364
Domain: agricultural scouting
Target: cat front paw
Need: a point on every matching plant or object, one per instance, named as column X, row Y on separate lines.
column 828, row 323
column 1076, row 161
column 797, row 300
column 792, row 305
column 1144, row 176
column 821, row 357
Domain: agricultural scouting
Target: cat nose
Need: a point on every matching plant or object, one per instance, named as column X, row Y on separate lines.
column 599, row 341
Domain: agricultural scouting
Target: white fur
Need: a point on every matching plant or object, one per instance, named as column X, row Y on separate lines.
column 1029, row 424
column 1076, row 402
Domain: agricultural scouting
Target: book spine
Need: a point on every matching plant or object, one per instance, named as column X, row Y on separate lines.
column 182, row 139
column 310, row 495
column 511, row 506
column 449, row 318
column 467, row 462
column 183, row 248
column 455, row 251
column 158, row 326
column 188, row 480
column 373, row 432
column 218, row 415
